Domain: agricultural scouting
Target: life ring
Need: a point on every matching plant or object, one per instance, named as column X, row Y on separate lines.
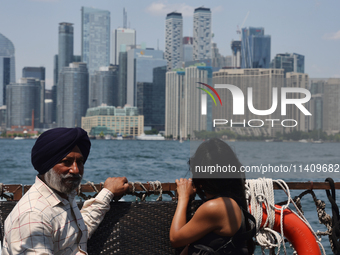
column 295, row 230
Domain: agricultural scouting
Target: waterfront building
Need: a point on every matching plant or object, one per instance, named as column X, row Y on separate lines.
column 7, row 66
column 37, row 73
column 173, row 40
column 23, row 103
column 122, row 37
column 316, row 104
column 297, row 80
column 95, row 38
column 255, row 48
column 104, row 85
column 65, row 49
column 144, row 101
column 158, row 98
column 48, row 111
column 183, row 111
column 122, row 79
column 236, row 50
column 113, row 120
column 262, row 82
column 140, row 65
column 54, row 107
column 290, row 62
column 188, row 50
column 3, row 116
column 331, row 106
column 72, row 95
column 202, row 34
column 151, row 100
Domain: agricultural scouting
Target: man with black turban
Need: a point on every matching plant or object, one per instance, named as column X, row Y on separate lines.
column 47, row 220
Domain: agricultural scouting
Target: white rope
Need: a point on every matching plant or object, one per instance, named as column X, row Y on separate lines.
column 260, row 193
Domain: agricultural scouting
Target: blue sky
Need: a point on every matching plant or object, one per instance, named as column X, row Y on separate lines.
column 311, row 28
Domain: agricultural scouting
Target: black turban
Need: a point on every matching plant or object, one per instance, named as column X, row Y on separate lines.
column 54, row 144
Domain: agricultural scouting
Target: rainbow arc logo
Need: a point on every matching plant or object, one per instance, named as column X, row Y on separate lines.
column 204, row 97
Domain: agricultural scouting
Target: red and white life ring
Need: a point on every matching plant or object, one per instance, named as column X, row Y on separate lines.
column 296, row 232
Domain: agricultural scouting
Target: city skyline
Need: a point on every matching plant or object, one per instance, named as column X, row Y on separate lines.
column 302, row 29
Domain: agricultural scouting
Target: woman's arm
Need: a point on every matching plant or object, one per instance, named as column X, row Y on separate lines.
column 205, row 220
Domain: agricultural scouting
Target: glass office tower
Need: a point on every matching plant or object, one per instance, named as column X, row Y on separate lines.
column 255, row 48
column 95, row 38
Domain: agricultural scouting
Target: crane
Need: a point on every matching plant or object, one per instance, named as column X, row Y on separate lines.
column 238, row 31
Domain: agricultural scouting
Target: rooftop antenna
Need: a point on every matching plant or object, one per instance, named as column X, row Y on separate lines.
column 124, row 18
column 157, row 44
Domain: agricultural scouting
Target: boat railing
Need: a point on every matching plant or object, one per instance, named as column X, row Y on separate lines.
column 13, row 192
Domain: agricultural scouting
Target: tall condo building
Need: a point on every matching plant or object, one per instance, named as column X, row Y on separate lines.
column 65, row 50
column 236, row 50
column 72, row 95
column 290, row 62
column 187, row 49
column 297, row 80
column 173, row 40
column 37, row 73
column 23, row 103
column 140, row 65
column 104, row 86
column 261, row 81
column 122, row 38
column 7, row 66
column 183, row 111
column 202, row 33
column 331, row 106
column 255, row 48
column 95, row 38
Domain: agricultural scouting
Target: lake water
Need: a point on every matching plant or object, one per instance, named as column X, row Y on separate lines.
column 167, row 160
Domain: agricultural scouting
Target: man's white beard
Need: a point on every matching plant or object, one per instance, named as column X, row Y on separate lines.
column 60, row 183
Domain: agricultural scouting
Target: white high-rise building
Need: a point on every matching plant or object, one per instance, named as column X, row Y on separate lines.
column 202, row 33
column 122, row 38
column 173, row 40
column 183, row 102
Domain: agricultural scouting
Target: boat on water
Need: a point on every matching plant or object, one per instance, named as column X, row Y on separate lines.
column 119, row 137
column 19, row 138
column 150, row 137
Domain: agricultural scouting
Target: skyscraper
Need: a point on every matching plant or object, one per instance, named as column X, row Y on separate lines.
column 72, row 95
column 173, row 40
column 23, row 103
column 202, row 33
column 331, row 106
column 255, row 48
column 290, row 62
column 236, row 50
column 183, row 101
column 187, row 49
column 7, row 66
column 103, row 88
column 95, row 38
column 140, row 65
column 34, row 72
column 65, row 49
column 122, row 37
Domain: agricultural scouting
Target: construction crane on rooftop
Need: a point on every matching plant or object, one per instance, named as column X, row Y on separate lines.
column 238, row 31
